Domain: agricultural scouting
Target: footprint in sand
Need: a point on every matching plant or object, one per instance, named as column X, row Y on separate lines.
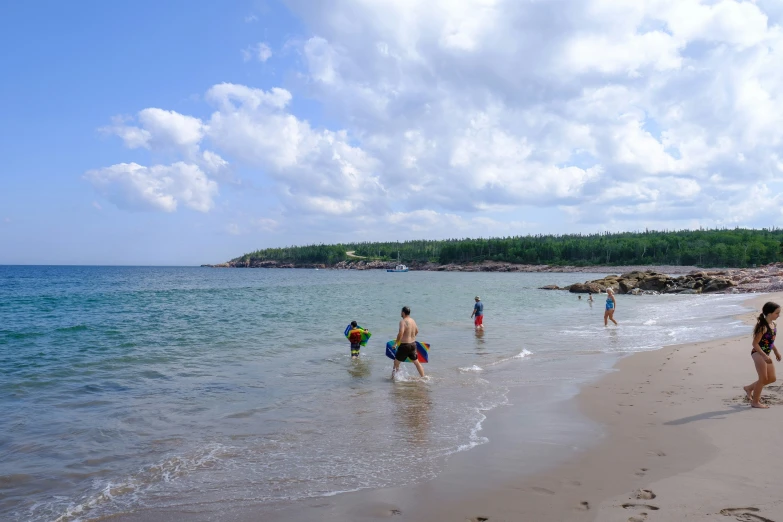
column 394, row 512
column 644, row 494
column 765, row 398
column 583, row 506
column 476, row 519
column 746, row 514
column 640, row 506
column 641, row 472
column 542, row 491
column 641, row 517
column 657, row 453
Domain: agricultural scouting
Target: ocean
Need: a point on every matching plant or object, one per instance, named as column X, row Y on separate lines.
column 124, row 389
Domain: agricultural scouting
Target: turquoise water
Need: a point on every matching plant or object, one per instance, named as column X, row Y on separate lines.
column 124, row 389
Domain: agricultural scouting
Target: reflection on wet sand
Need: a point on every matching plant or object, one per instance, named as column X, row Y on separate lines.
column 359, row 368
column 480, row 338
column 411, row 407
column 613, row 340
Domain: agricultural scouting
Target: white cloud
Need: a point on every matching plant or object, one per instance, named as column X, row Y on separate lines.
column 265, row 224
column 233, row 229
column 134, row 137
column 171, row 128
column 160, row 187
column 317, row 170
column 251, row 18
column 597, row 112
column 96, row 205
column 626, row 55
column 159, row 129
column 260, row 51
column 229, row 96
column 213, row 162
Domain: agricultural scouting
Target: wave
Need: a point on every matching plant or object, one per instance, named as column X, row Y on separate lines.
column 473, row 368
column 129, row 488
column 74, row 328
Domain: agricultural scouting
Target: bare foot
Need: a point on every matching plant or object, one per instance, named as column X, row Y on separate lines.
column 759, row 405
column 748, row 390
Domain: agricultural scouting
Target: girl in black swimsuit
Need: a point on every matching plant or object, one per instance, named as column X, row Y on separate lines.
column 763, row 343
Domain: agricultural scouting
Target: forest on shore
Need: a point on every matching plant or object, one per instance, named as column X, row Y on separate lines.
column 730, row 248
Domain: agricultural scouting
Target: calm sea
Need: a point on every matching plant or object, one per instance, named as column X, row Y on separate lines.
column 128, row 388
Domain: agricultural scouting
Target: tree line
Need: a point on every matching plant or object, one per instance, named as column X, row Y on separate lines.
column 738, row 247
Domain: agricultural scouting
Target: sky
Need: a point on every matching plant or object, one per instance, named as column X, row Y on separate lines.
column 190, row 132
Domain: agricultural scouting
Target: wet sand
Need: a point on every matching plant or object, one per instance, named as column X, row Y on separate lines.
column 677, row 441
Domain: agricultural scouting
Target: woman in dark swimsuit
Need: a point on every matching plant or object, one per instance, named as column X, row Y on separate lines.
column 763, row 343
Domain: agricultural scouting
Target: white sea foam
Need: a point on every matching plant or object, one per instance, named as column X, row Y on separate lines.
column 523, row 354
column 127, row 490
column 475, row 438
column 473, row 368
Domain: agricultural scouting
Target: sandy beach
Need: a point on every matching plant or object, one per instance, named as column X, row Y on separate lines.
column 677, row 441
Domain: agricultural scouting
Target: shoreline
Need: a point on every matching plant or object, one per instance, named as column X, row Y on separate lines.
column 675, row 428
column 673, row 445
column 485, row 266
column 630, row 279
column 668, row 423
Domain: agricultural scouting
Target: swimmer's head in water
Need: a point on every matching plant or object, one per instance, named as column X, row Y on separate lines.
column 406, row 311
column 354, row 324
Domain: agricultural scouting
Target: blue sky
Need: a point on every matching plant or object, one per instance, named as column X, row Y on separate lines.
column 192, row 132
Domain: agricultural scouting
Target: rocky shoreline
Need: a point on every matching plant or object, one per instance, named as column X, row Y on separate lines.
column 768, row 278
column 634, row 280
column 486, row 266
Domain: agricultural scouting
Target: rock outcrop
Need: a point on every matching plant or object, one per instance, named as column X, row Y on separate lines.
column 652, row 282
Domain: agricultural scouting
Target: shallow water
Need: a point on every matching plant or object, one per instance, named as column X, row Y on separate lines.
column 124, row 388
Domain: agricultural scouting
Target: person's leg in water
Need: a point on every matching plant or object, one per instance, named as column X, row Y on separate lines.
column 355, row 350
column 606, row 317
column 611, row 317
column 478, row 322
column 400, row 356
column 763, row 370
column 416, row 363
column 396, row 367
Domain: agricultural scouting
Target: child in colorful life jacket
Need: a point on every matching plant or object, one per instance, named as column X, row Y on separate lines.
column 355, row 338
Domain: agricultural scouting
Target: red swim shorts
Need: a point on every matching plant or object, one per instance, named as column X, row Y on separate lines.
column 479, row 320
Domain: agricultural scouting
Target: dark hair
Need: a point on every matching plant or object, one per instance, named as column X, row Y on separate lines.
column 354, row 324
column 762, row 326
column 406, row 310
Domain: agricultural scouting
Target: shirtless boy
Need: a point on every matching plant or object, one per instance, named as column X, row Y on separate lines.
column 406, row 342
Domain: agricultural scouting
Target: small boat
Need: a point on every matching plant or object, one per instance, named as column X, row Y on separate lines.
column 400, row 267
